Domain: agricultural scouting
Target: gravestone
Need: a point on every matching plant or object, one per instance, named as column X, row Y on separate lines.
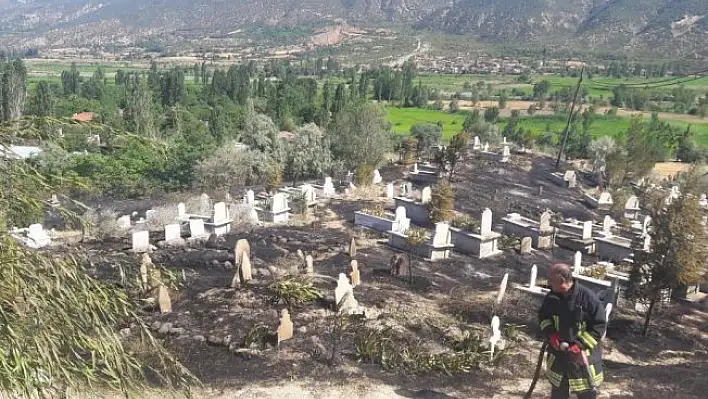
column 415, row 167
column 425, row 195
column 309, row 192
column 377, row 179
column 37, row 237
column 442, row 235
column 328, row 188
column 540, row 191
column 647, row 243
column 349, row 178
column 172, row 232
column 149, row 214
column 279, row 203
column 285, row 329
column 181, row 211
column 477, row 144
column 309, row 265
column 343, row 287
column 577, row 262
column 534, row 272
column 204, row 204
column 221, row 213
column 141, row 241
column 352, row 248
column 400, row 213
column 236, row 280
column 227, row 198
column 163, row 299
column 545, row 223
column 485, row 148
column 246, row 267
column 145, row 264
column 389, row 191
column 124, row 222
column 570, row 178
column 196, row 228
column 250, row 197
column 605, row 198
column 645, row 225
column 587, row 230
column 632, row 203
column 242, row 247
column 409, row 188
column 399, row 265
column 526, row 245
column 607, row 225
column 354, row 274
column 486, row 224
column 506, row 154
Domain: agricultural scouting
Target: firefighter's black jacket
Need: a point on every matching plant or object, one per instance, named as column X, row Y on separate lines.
column 579, row 317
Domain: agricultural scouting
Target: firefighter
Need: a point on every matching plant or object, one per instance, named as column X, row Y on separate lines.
column 572, row 319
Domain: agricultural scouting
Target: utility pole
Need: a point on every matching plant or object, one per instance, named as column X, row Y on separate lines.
column 570, row 117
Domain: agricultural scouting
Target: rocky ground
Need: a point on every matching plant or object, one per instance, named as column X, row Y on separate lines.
column 224, row 334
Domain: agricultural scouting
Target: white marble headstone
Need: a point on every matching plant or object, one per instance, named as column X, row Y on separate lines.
column 124, row 222
column 587, row 230
column 343, row 287
column 221, row 213
column 181, row 210
column 425, row 195
column 377, row 179
column 280, row 203
column 607, row 224
column 196, row 228
column 605, row 198
column 172, row 232
column 534, row 272
column 389, row 191
column 141, row 241
column 442, row 234
column 577, row 262
column 486, row 224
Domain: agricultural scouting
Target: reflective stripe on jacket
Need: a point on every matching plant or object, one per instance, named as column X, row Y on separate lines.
column 578, row 316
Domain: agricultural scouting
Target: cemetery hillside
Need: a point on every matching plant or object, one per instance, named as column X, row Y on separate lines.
column 293, row 210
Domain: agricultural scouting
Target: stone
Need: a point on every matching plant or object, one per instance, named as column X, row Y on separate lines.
column 245, row 267
column 250, row 198
column 632, row 203
column 442, row 235
column 587, row 230
column 221, row 213
column 328, row 188
column 352, row 248
column 124, row 222
column 214, row 340
column 204, row 204
column 570, row 178
column 285, row 329
column 196, row 228
column 242, row 246
column 181, row 211
column 425, row 195
column 477, row 144
column 309, row 266
column 607, row 225
column 163, row 299
column 506, row 154
column 354, row 274
column 532, row 280
column 577, row 262
column 415, row 167
column 486, row 224
column 377, row 179
column 545, row 223
column 155, row 325
column 605, row 198
column 400, row 213
column 343, row 286
column 199, row 338
column 300, row 254
column 399, row 265
column 389, row 191
column 526, row 245
column 141, row 241
column 145, row 265
column 172, row 232
column 279, row 203
column 165, row 328
column 540, row 191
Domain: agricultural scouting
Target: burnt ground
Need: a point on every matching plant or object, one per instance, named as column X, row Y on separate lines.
column 222, row 334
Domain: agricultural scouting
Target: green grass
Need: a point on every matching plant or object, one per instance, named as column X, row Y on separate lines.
column 403, row 118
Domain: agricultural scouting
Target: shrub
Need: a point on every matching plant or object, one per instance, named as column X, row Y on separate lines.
column 376, row 210
column 295, row 291
column 416, row 236
column 442, row 201
column 364, row 175
column 465, row 223
column 598, row 272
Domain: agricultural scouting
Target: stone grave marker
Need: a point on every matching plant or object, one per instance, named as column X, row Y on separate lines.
column 477, row 144
column 196, row 228
column 250, row 197
column 246, row 267
column 236, row 280
column 415, row 167
column 181, row 211
column 242, row 246
column 163, row 299
column 149, row 214
column 204, row 204
column 221, row 213
column 632, row 203
column 425, row 195
column 377, row 179
column 506, row 153
column 343, row 287
column 124, row 222
column 442, row 234
column 309, row 265
column 534, row 272
column 141, row 241
column 354, row 274
column 605, row 198
column 607, row 224
column 145, row 263
column 577, row 262
column 352, row 248
column 526, row 245
column 285, row 329
column 647, row 243
column 328, row 188
column 172, row 232
column 409, row 189
column 389, row 191
column 570, row 178
column 545, row 222
column 486, row 147
column 587, row 229
column 37, row 236
column 399, row 265
column 486, row 224
column 279, row 203
column 645, row 225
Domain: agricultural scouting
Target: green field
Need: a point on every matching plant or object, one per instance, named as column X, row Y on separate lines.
column 402, row 119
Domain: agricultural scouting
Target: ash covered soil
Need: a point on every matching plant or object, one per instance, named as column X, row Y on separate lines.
column 224, row 335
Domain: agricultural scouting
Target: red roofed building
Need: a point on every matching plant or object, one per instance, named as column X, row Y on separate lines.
column 83, row 116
